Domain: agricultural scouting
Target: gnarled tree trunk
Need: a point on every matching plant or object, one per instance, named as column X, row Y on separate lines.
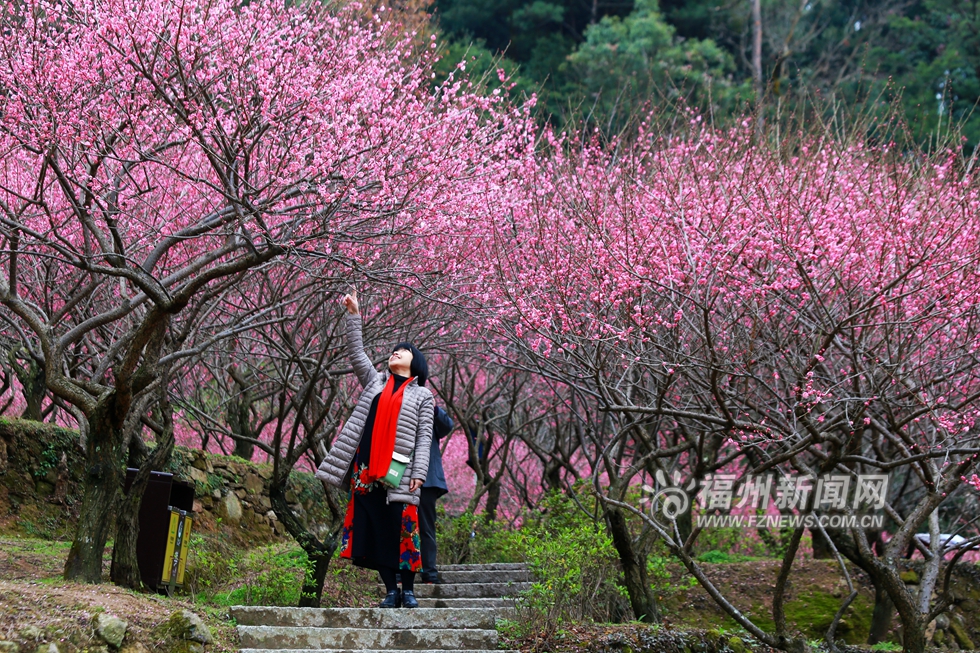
column 33, row 381
column 634, row 569
column 103, row 480
column 318, row 553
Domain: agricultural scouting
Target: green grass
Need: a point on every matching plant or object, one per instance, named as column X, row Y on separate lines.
column 722, row 557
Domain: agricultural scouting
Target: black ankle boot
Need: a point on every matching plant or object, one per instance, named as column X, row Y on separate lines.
column 408, row 599
column 392, row 600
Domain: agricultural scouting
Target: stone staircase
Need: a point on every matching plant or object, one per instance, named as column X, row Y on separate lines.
column 457, row 615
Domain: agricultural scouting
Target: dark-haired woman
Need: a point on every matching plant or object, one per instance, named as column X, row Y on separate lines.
column 392, row 420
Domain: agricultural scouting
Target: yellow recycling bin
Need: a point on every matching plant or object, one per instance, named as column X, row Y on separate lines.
column 175, row 559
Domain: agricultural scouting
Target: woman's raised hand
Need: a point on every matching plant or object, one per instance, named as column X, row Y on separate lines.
column 350, row 303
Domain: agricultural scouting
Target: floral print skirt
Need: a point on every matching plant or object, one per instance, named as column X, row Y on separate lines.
column 377, row 533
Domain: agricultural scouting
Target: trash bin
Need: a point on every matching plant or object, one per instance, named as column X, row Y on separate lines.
column 165, row 527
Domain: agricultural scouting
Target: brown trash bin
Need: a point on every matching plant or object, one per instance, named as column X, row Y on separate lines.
column 165, row 524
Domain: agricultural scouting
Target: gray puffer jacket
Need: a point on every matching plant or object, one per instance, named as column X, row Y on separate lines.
column 413, row 433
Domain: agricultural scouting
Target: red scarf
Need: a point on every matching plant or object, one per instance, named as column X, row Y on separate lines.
column 385, row 427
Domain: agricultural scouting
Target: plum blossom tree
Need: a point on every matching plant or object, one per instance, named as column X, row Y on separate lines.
column 811, row 311
column 154, row 154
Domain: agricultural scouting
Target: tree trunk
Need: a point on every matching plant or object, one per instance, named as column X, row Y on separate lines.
column 881, row 617
column 821, row 547
column 913, row 639
column 34, row 384
column 125, row 570
column 685, row 524
column 244, row 450
column 318, row 553
column 239, row 412
column 313, row 580
column 493, row 501
column 552, row 475
column 102, row 482
column 890, row 591
column 634, row 571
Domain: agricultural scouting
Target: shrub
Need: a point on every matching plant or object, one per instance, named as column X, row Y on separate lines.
column 220, row 575
column 576, row 570
column 211, row 567
column 470, row 538
column 272, row 575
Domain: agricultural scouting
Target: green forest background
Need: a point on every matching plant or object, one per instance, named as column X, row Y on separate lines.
column 607, row 61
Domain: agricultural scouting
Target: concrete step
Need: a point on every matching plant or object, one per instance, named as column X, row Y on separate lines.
column 465, row 591
column 498, row 607
column 290, row 637
column 484, row 576
column 376, row 618
column 352, row 650
column 469, row 591
column 490, row 566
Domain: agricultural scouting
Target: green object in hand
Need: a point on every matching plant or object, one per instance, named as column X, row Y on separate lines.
column 398, row 465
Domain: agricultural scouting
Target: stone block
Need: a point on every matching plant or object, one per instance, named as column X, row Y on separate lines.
column 231, row 508
column 262, row 529
column 265, row 471
column 43, row 489
column 371, row 618
column 960, row 634
column 201, row 462
column 111, row 630
column 198, row 475
column 253, row 484
column 185, row 625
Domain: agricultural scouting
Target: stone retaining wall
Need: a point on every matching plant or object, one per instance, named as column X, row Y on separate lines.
column 41, row 470
column 236, row 492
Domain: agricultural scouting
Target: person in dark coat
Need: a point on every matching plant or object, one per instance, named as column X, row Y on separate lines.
column 433, row 488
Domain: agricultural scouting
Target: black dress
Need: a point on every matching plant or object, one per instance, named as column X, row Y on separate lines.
column 377, row 533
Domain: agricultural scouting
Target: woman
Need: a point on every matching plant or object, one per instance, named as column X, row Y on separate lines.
column 393, row 418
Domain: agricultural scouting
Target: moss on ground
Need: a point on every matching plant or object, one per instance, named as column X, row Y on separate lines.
column 811, row 613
